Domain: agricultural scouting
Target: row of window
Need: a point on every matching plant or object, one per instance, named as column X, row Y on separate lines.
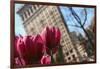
column 47, row 17
column 29, row 10
column 67, row 53
column 65, row 40
column 72, row 58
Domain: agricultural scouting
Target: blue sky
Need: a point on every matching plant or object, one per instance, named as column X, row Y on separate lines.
column 19, row 29
column 67, row 17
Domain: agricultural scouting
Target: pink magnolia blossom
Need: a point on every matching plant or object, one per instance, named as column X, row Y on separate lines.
column 35, row 49
column 51, row 37
column 30, row 49
column 15, row 47
column 46, row 59
column 19, row 62
column 15, row 52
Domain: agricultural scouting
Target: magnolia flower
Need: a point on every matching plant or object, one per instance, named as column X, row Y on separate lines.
column 51, row 37
column 15, row 52
column 30, row 49
column 46, row 59
column 19, row 61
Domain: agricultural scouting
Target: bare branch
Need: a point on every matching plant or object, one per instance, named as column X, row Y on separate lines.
column 74, row 25
column 71, row 19
column 85, row 17
column 75, row 15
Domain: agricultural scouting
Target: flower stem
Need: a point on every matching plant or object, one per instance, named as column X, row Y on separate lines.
column 60, row 55
column 52, row 59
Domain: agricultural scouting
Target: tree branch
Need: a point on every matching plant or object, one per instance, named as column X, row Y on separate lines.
column 74, row 25
column 75, row 15
column 85, row 17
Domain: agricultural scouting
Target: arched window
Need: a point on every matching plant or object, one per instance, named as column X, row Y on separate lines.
column 22, row 17
column 25, row 15
column 35, row 7
column 28, row 12
column 31, row 9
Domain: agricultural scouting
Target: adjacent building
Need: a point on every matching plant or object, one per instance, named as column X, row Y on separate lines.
column 77, row 40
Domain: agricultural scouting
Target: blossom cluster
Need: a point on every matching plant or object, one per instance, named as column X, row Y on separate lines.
column 37, row 49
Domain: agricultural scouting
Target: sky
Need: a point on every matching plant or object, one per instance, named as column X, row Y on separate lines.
column 19, row 29
column 79, row 10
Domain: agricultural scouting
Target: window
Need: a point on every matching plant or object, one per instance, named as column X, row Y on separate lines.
column 69, row 58
column 71, row 51
column 35, row 7
column 67, row 53
column 51, row 12
column 64, row 32
column 22, row 17
column 25, row 15
column 46, row 13
column 28, row 12
column 41, row 21
column 32, row 31
column 74, row 58
column 31, row 9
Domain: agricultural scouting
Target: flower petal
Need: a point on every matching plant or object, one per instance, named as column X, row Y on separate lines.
column 46, row 59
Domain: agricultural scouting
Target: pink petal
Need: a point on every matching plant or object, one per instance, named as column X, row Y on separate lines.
column 19, row 62
column 46, row 59
column 58, row 36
